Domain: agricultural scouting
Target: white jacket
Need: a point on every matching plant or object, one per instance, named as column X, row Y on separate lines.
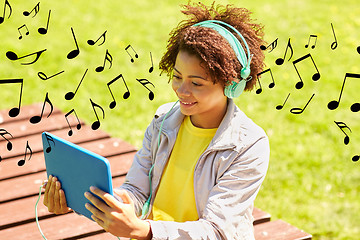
column 227, row 176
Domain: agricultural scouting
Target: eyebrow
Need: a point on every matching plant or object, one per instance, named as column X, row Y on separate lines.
column 191, row 76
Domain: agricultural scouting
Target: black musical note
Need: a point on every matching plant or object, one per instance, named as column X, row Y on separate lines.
column 355, row 158
column 49, row 139
column 131, row 58
column 95, row 125
column 13, row 56
column 43, row 76
column 91, row 42
column 272, row 46
column 126, row 94
column 37, row 119
column 74, row 53
column 10, row 11
column 280, row 61
column 301, row 110
column 311, row 37
column 16, row 110
column 334, row 104
column 335, row 43
column 343, row 125
column 271, row 85
column 358, row 49
column 315, row 77
column 44, row 30
column 26, row 32
column 152, row 64
column 36, row 9
column 144, row 82
column 108, row 58
column 78, row 126
column 70, row 95
column 279, row 107
column 22, row 161
column 3, row 132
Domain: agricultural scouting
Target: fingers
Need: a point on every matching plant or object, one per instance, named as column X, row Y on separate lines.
column 123, row 194
column 54, row 197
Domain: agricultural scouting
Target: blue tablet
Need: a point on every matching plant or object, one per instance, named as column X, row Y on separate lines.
column 77, row 169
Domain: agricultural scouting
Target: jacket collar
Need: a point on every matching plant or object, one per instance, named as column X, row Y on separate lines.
column 226, row 136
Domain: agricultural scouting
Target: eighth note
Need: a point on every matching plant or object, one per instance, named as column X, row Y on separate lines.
column 271, row 85
column 13, row 56
column 49, row 139
column 310, row 37
column 95, row 125
column 131, row 58
column 26, row 32
column 335, row 103
column 37, row 119
column 301, row 110
column 70, row 95
column 3, row 132
column 78, row 126
column 126, row 94
column 22, row 161
column 10, row 11
column 74, row 53
column 36, row 9
column 91, row 42
column 316, row 75
column 342, row 125
column 280, row 61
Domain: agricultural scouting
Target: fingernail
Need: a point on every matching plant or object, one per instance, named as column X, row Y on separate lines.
column 86, row 194
column 92, row 188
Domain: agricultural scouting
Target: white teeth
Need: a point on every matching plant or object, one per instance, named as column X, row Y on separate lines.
column 187, row 103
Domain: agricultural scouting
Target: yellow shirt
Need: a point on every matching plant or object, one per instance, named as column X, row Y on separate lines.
column 175, row 199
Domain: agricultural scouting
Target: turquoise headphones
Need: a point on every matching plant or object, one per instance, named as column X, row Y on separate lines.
column 234, row 89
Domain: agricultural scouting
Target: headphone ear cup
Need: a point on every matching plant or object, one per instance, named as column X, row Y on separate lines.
column 235, row 89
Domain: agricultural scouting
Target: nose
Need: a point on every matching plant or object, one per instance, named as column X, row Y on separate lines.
column 183, row 89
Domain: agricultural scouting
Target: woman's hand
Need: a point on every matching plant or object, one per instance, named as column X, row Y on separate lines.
column 116, row 217
column 54, row 198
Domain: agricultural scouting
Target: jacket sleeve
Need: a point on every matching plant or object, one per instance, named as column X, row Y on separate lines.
column 228, row 211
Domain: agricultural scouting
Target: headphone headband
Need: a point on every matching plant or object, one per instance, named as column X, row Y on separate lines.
column 234, row 89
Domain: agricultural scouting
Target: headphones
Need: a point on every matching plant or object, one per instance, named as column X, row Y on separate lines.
column 234, row 89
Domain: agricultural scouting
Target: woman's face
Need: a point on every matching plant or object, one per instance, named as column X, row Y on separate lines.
column 199, row 97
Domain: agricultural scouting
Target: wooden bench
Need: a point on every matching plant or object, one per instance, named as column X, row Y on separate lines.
column 19, row 185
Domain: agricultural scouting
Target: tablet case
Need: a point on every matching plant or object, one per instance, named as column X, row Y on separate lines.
column 77, row 169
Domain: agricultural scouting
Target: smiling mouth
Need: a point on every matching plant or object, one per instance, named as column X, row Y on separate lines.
column 187, row 103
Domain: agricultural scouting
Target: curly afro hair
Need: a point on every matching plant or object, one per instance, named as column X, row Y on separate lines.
column 213, row 49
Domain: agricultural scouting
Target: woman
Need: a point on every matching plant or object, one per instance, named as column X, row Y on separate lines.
column 202, row 161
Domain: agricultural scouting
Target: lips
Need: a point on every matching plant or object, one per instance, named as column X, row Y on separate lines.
column 187, row 103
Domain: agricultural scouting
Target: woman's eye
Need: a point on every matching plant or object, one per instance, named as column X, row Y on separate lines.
column 196, row 84
column 176, row 77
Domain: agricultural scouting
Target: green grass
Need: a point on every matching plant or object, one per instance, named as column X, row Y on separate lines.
column 311, row 183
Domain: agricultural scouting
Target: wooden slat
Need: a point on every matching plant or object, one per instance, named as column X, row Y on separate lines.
column 19, row 143
column 28, row 185
column 26, row 112
column 11, row 216
column 106, row 147
column 58, row 227
column 279, row 230
column 260, row 216
column 24, row 128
